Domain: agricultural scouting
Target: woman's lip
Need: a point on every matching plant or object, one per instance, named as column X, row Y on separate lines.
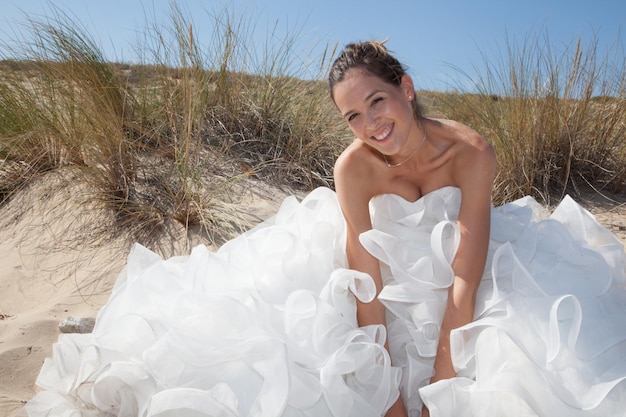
column 384, row 134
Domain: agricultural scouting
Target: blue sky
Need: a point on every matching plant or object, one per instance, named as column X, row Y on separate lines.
column 433, row 38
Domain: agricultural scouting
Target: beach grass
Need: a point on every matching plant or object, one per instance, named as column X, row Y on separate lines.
column 167, row 139
column 555, row 117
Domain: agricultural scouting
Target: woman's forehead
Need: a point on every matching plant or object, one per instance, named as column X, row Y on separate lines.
column 358, row 85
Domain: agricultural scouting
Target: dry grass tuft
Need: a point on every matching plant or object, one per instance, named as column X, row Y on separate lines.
column 167, row 139
column 556, row 120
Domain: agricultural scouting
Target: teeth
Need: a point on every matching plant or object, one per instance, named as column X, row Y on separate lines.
column 383, row 135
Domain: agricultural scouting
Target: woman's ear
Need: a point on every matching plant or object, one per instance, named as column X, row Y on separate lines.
column 406, row 84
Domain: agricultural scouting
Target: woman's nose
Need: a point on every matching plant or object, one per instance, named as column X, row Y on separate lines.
column 371, row 119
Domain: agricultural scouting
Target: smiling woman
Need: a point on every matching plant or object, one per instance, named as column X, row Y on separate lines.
column 443, row 158
column 403, row 289
column 376, row 97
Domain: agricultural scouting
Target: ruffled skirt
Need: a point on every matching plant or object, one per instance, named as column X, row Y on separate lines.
column 266, row 326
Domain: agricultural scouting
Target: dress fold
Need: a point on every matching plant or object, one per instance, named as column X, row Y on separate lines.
column 266, row 325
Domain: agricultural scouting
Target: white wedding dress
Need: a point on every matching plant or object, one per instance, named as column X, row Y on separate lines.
column 266, row 325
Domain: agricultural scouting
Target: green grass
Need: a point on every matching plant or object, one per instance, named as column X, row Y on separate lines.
column 167, row 139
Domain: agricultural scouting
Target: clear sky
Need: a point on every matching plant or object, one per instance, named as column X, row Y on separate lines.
column 431, row 37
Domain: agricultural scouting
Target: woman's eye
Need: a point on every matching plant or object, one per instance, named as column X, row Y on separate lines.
column 377, row 99
column 352, row 116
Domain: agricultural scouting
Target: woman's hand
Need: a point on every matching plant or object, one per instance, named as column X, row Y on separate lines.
column 397, row 410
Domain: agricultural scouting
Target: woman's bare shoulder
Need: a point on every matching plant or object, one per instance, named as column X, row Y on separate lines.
column 471, row 157
column 475, row 161
column 460, row 133
column 354, row 162
column 354, row 172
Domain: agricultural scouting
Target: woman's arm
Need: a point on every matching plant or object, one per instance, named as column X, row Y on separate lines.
column 475, row 172
column 354, row 192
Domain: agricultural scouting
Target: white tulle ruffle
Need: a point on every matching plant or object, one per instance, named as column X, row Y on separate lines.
column 266, row 326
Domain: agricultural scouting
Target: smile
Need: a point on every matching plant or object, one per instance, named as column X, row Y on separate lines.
column 383, row 135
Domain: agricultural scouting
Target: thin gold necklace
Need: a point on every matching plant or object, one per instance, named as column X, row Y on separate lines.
column 409, row 157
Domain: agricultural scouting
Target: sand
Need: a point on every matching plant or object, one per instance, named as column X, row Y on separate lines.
column 56, row 265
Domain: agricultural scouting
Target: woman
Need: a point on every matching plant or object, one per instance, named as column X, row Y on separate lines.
column 403, row 289
column 398, row 151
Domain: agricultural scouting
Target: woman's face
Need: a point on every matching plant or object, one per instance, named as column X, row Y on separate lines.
column 378, row 113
